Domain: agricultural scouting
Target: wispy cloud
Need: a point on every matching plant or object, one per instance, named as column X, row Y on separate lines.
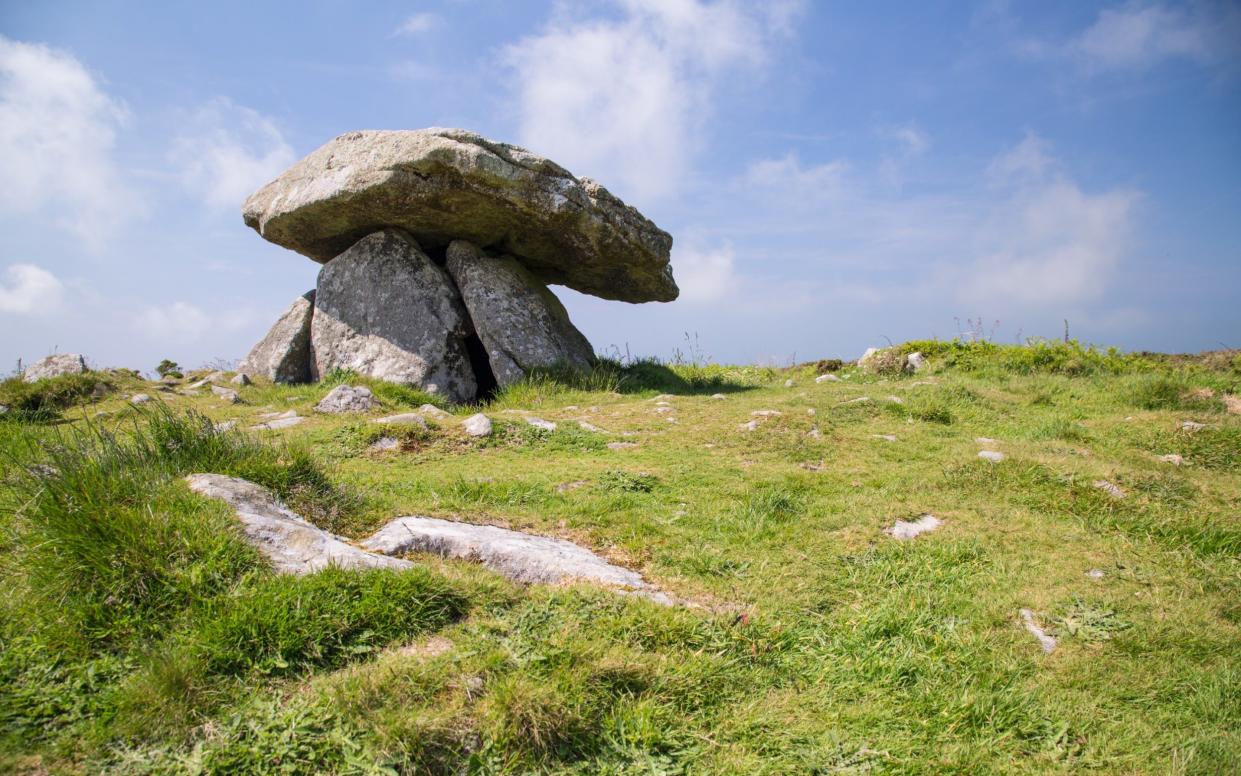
column 226, row 151
column 57, row 136
column 624, row 99
column 418, row 24
column 27, row 289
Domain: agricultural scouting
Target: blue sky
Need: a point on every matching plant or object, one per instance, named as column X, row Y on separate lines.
column 835, row 175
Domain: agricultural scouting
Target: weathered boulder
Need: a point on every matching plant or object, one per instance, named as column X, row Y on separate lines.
column 293, row 545
column 347, row 398
column 54, row 366
column 519, row 556
column 447, row 184
column 284, row 354
column 385, row 310
column 521, row 323
column 478, row 425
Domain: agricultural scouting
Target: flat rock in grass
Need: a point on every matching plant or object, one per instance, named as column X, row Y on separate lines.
column 283, row 355
column 139, row 398
column 811, row 411
column 1046, row 641
column 662, row 410
column 404, row 419
column 621, row 445
column 276, row 415
column 433, row 412
column 293, row 545
column 477, row 425
column 789, row 383
column 985, row 441
column 827, row 379
column 539, row 423
column 54, row 366
column 519, row 556
column 203, row 383
column 278, row 423
column 226, row 394
column 385, row 444
column 1172, row 458
column 1110, row 488
column 347, row 398
column 814, row 433
column 1192, row 425
column 591, row 427
column 718, row 396
column 858, row 400
column 1095, row 574
column 884, row 437
column 766, row 413
column 451, row 184
column 749, row 425
column 904, row 530
column 994, row 456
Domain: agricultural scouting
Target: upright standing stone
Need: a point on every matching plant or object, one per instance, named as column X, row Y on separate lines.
column 383, row 309
column 521, row 323
column 283, row 356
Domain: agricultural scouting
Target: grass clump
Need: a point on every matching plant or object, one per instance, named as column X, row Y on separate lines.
column 44, row 400
column 628, row 482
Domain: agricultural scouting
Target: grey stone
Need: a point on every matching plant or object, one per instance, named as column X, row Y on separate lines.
column 385, row 310
column 867, row 357
column 914, row 362
column 519, row 556
column 385, row 444
column 347, row 398
column 718, row 396
column 278, row 423
column 591, row 427
column 449, row 184
column 4, row 410
column 621, row 445
column 858, row 400
column 478, row 425
column 431, row 411
column 827, row 379
column 283, row 355
column 139, row 398
column 788, row 383
column 1095, row 574
column 766, row 413
column 521, row 323
column 884, row 437
column 1172, row 458
column 750, row 425
column 226, row 394
column 1047, row 642
column 905, row 530
column 54, row 366
column 1192, row 425
column 278, row 415
column 539, row 423
column 1110, row 488
column 293, row 545
column 225, row 426
column 993, row 456
column 404, row 419
column 241, row 378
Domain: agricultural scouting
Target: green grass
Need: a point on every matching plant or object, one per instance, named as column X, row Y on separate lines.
column 144, row 635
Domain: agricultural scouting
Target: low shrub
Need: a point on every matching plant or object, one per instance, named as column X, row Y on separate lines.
column 44, row 400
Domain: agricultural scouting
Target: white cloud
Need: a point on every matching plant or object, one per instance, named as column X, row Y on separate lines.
column 914, row 141
column 704, row 275
column 28, row 289
column 796, row 183
column 179, row 322
column 1138, row 36
column 57, row 136
column 227, row 151
column 1029, row 159
column 417, row 24
column 623, row 99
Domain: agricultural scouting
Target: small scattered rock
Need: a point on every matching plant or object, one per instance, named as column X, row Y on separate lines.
column 788, row 383
column 814, row 433
column 985, row 441
column 827, row 379
column 194, row 386
column 766, row 413
column 4, row 410
column 904, row 530
column 404, row 419
column 994, row 456
column 431, row 411
column 565, row 487
column 1192, row 425
column 591, row 427
column 539, row 423
column 895, row 399
column 884, row 437
column 241, row 378
column 1232, row 403
column 139, row 398
column 478, row 425
column 858, row 400
column 812, row 467
column 347, row 398
column 278, row 415
column 1172, row 458
column 718, row 396
column 1110, row 488
column 749, row 426
column 223, row 426
column 1047, row 642
column 663, row 409
column 1095, row 573
column 621, row 445
column 384, row 444
column 663, row 404
column 226, row 394
column 278, row 423
column 811, row 411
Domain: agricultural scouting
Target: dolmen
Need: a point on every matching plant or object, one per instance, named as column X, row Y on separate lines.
column 437, row 248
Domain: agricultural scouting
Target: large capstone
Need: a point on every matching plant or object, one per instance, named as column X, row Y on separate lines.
column 54, row 366
column 383, row 309
column 522, row 325
column 284, row 354
column 447, row 184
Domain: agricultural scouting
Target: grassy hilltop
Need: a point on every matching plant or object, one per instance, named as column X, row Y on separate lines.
column 141, row 633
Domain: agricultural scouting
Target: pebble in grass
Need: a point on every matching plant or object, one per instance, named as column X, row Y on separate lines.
column 718, row 396
column 431, row 411
column 1095, row 574
column 749, row 426
column 278, row 423
column 591, row 427
column 884, row 437
column 1110, row 488
column 827, row 379
column 904, row 530
column 139, row 398
column 766, row 413
column 994, row 456
column 1172, row 458
column 539, row 423
column 1046, row 641
column 385, row 444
